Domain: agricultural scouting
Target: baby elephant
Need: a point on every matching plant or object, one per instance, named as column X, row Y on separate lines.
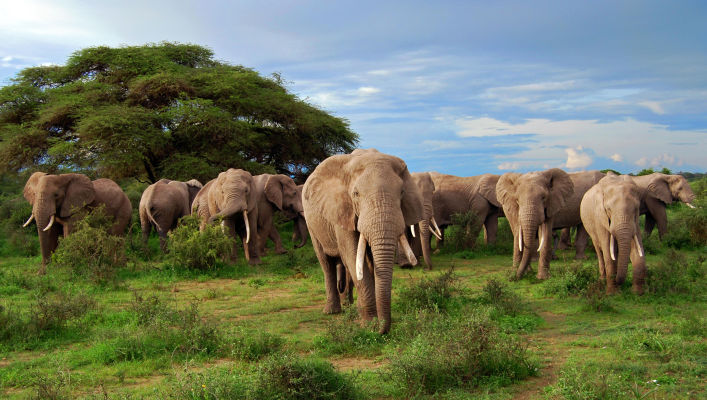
column 609, row 212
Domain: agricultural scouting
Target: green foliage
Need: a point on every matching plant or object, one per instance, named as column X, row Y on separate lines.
column 674, row 274
column 598, row 382
column 596, row 298
column 252, row 345
column 435, row 294
column 289, row 376
column 157, row 110
column 14, row 211
column 449, row 352
column 463, row 232
column 610, row 170
column 90, row 250
column 217, row 383
column 345, row 335
column 571, row 279
column 194, row 249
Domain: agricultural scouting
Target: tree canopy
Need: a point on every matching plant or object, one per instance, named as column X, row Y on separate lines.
column 161, row 110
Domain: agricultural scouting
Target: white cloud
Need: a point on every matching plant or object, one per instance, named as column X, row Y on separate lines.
column 654, row 106
column 433, row 145
column 576, row 158
column 617, row 157
column 661, row 160
column 509, row 166
column 366, row 90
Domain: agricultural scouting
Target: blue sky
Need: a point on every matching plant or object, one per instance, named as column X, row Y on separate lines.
column 460, row 87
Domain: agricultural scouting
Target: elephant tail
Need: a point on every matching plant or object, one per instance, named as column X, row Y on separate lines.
column 148, row 210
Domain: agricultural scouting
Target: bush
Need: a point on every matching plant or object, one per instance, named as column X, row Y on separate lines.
column 572, row 279
column 448, row 353
column 218, row 383
column 288, row 376
column 596, row 298
column 18, row 241
column 596, row 382
column 673, row 274
column 346, row 335
column 90, row 250
column 434, row 294
column 252, row 345
column 194, row 249
column 464, row 231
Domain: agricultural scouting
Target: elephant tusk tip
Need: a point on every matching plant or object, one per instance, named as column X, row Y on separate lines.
column 690, row 205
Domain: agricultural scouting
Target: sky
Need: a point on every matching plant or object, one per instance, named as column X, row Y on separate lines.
column 458, row 87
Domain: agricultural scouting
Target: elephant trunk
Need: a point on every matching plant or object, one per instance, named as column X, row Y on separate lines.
column 528, row 242
column 300, row 231
column 623, row 233
column 43, row 211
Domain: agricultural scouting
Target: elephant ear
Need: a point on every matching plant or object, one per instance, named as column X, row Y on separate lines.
column 487, row 188
column 30, row 190
column 79, row 192
column 658, row 188
column 506, row 192
column 561, row 189
column 273, row 191
column 411, row 203
column 193, row 188
column 327, row 194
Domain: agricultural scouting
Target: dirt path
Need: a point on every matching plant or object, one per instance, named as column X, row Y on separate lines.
column 552, row 345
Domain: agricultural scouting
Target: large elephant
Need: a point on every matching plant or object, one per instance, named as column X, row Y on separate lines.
column 420, row 241
column 569, row 216
column 275, row 193
column 58, row 201
column 163, row 203
column 531, row 202
column 609, row 212
column 357, row 208
column 656, row 191
column 232, row 196
column 300, row 232
column 455, row 194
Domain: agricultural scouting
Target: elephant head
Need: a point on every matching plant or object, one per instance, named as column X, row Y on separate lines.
column 530, row 201
column 669, row 188
column 281, row 191
column 610, row 211
column 366, row 200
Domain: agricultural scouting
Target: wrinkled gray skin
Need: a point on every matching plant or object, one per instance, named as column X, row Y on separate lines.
column 456, row 194
column 569, row 216
column 420, row 244
column 276, row 193
column 68, row 197
column 657, row 190
column 363, row 195
column 531, row 202
column 609, row 212
column 163, row 203
column 300, row 232
column 227, row 197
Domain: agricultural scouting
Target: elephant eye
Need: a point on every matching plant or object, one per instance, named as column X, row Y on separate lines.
column 355, row 193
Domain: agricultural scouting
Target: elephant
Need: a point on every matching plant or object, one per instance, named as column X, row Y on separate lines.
column 163, row 203
column 455, row 194
column 233, row 197
column 531, row 201
column 59, row 201
column 358, row 207
column 610, row 211
column 300, row 232
column 420, row 241
column 569, row 216
column 656, row 191
column 275, row 193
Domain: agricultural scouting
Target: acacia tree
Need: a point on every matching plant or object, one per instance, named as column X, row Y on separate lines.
column 161, row 110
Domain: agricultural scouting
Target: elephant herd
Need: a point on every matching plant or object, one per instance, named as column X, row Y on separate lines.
column 365, row 212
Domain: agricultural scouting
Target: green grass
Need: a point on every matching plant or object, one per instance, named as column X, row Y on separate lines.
column 233, row 330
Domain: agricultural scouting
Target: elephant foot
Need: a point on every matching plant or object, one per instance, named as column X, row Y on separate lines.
column 637, row 290
column 611, row 289
column 280, row 251
column 580, row 257
column 554, row 257
column 562, row 246
column 254, row 261
column 542, row 274
column 332, row 309
column 406, row 266
column 42, row 271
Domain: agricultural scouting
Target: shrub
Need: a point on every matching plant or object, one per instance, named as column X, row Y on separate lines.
column 346, row 335
column 673, row 274
column 448, row 353
column 572, row 279
column 18, row 241
column 194, row 249
column 596, row 298
column 463, row 232
column 251, row 345
column 596, row 382
column 499, row 295
column 217, row 383
column 434, row 294
column 288, row 376
column 90, row 250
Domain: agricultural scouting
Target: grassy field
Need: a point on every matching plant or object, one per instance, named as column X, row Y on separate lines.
column 460, row 331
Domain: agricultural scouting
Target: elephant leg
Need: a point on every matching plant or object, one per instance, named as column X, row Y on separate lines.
column 580, row 243
column 656, row 209
column 545, row 254
column 565, row 239
column 366, row 287
column 328, row 264
column 145, row 226
column 230, row 225
column 163, row 240
column 610, row 268
column 600, row 259
column 274, row 235
column 344, row 284
column 252, row 247
column 516, row 252
column 649, row 225
column 639, row 270
column 491, row 228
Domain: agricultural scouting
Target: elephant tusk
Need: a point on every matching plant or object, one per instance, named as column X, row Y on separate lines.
column 520, row 238
column 247, row 226
column 611, row 247
column 542, row 236
column 412, row 230
column 439, row 232
column 638, row 245
column 31, row 217
column 690, row 205
column 402, row 240
column 51, row 222
column 223, row 226
column 360, row 256
column 437, row 235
